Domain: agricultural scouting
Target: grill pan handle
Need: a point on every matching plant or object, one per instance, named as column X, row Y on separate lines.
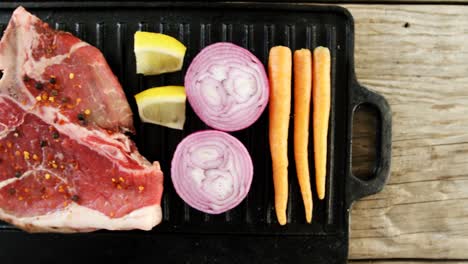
column 358, row 188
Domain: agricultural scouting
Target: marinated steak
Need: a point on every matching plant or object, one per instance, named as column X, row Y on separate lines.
column 65, row 164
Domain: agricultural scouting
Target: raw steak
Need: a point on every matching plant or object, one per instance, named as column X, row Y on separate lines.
column 65, row 165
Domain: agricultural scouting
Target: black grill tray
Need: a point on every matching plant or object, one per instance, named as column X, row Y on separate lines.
column 250, row 232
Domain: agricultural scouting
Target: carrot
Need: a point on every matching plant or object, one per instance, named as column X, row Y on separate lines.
column 279, row 71
column 302, row 94
column 321, row 99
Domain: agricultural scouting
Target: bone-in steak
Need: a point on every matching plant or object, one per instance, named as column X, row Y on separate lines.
column 65, row 164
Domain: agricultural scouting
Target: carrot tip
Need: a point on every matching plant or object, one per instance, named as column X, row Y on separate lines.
column 309, row 216
column 281, row 218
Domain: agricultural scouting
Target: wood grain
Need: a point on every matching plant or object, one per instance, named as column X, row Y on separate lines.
column 417, row 57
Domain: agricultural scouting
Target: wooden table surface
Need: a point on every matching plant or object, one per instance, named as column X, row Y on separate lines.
column 416, row 55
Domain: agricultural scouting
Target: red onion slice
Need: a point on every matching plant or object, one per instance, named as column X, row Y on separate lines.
column 227, row 86
column 211, row 171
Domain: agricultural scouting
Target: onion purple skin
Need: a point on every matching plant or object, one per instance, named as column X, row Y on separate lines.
column 228, row 51
column 185, row 185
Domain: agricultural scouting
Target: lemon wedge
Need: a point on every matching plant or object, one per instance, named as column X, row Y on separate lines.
column 163, row 106
column 157, row 53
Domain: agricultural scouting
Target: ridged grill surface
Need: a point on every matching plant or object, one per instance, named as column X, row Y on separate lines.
column 112, row 32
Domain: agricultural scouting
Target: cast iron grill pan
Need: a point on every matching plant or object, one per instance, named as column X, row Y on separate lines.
column 249, row 232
